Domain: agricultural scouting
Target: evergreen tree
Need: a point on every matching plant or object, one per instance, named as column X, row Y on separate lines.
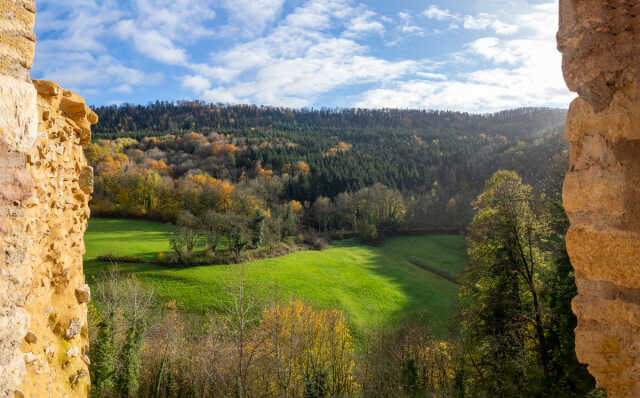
column 316, row 385
column 568, row 376
column 103, row 358
column 256, row 225
column 129, row 372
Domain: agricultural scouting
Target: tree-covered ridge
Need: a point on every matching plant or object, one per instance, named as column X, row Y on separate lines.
column 436, row 167
column 162, row 118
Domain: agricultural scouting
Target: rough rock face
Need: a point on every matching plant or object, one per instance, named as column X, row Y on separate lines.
column 44, row 191
column 600, row 43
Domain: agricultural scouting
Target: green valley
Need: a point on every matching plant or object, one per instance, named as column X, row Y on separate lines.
column 375, row 286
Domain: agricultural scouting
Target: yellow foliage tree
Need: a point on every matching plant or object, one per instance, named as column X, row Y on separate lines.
column 302, row 347
column 296, row 206
column 302, row 167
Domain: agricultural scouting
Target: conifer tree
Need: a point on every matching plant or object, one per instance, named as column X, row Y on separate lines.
column 103, row 358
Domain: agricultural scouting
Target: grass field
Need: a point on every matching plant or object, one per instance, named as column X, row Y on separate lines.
column 374, row 286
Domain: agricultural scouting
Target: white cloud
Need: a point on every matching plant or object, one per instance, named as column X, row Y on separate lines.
column 315, row 49
column 79, row 71
column 485, row 21
column 309, row 53
column 363, row 24
column 80, row 27
column 482, row 21
column 124, row 88
column 76, row 50
column 196, row 83
column 160, row 26
column 407, row 28
column 152, row 43
column 493, row 49
column 433, row 12
column 177, row 20
column 522, row 71
column 432, row 76
column 221, row 96
column 251, row 17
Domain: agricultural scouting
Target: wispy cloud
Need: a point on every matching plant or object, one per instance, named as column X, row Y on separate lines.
column 75, row 48
column 407, row 27
column 161, row 26
column 72, row 51
column 521, row 71
column 433, row 12
column 363, row 24
column 310, row 52
column 250, row 18
column 297, row 53
column 481, row 21
column 196, row 83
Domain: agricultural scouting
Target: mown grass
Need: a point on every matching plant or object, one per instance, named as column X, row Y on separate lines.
column 375, row 287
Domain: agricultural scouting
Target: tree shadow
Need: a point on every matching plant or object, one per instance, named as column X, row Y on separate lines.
column 378, row 287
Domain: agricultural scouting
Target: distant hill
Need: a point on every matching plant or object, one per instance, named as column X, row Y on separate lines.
column 174, row 118
column 438, row 160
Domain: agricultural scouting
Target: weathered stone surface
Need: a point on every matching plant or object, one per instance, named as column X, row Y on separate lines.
column 75, row 326
column 600, row 42
column 86, row 180
column 17, row 43
column 83, row 294
column 44, row 193
column 31, row 338
column 57, row 212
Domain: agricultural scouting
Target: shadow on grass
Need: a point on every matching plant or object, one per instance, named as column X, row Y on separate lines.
column 376, row 286
column 431, row 299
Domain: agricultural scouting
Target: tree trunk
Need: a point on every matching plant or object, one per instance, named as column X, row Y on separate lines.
column 542, row 341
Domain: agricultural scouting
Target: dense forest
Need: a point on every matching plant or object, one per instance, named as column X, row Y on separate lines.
column 154, row 161
column 161, row 118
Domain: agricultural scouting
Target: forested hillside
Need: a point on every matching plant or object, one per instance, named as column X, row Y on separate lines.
column 433, row 162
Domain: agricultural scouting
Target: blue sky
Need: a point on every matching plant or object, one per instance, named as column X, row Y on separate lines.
column 468, row 55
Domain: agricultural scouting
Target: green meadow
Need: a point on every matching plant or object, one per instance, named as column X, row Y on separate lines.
column 374, row 286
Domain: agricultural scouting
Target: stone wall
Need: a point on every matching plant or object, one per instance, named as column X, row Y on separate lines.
column 45, row 185
column 600, row 43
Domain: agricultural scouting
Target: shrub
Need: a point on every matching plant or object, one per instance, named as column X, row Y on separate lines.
column 183, row 242
column 320, row 243
column 368, row 233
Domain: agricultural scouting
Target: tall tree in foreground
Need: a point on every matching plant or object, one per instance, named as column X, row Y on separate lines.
column 517, row 324
column 502, row 295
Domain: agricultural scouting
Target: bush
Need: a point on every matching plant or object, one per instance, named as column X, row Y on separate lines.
column 320, row 243
column 368, row 233
column 315, row 240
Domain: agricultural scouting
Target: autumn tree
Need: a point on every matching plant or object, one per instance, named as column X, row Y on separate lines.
column 305, row 352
